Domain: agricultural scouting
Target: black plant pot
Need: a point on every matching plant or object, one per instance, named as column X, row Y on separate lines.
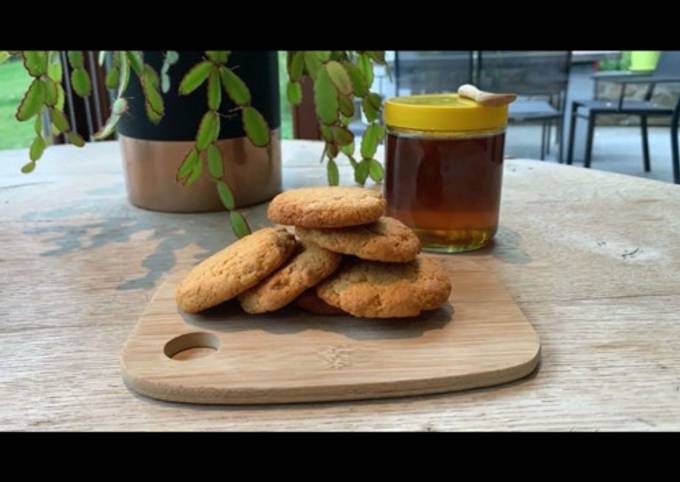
column 152, row 153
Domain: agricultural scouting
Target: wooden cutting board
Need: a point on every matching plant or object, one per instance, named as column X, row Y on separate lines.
column 228, row 357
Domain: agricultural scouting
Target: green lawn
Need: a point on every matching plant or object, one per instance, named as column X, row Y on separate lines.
column 286, row 116
column 13, row 83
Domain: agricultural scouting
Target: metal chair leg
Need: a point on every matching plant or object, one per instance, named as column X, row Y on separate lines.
column 560, row 140
column 589, row 139
column 572, row 129
column 645, row 143
column 675, row 120
column 543, row 142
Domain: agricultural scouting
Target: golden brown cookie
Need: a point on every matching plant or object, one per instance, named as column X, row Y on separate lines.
column 233, row 270
column 327, row 207
column 311, row 265
column 387, row 240
column 310, row 302
column 370, row 289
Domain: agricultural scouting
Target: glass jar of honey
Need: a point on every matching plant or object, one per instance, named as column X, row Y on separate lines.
column 444, row 169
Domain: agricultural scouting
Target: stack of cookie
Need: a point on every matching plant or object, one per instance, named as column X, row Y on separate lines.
column 348, row 258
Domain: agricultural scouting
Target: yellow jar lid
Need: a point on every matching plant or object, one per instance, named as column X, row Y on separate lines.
column 442, row 112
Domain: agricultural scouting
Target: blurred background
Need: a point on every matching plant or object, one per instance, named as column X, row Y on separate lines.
column 624, row 101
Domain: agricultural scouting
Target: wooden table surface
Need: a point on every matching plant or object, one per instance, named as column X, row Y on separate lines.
column 592, row 258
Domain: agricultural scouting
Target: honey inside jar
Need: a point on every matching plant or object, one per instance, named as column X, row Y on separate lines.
column 446, row 183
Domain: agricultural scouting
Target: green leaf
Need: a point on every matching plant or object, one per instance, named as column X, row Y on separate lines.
column 165, row 83
column 256, row 127
column 370, row 140
column 51, row 92
column 59, row 120
column 37, row 148
column 325, row 98
column 171, row 58
column 124, row 74
column 150, row 84
column 312, row 64
column 348, row 149
column 28, row 168
column 153, row 116
column 61, row 97
column 120, row 106
column 226, row 196
column 208, row 130
column 75, row 58
column 332, row 173
column 374, row 100
column 297, row 66
column 214, row 90
column 35, row 62
column 361, row 172
column 332, row 150
column 326, row 133
column 112, row 78
column 366, row 69
column 294, row 93
column 38, row 125
column 32, row 102
column 378, row 56
column 4, row 55
column 80, row 82
column 196, row 171
column 136, row 61
column 75, row 139
column 235, row 88
column 338, row 55
column 370, row 112
column 346, row 105
column 54, row 69
column 215, row 165
column 187, row 165
column 323, row 55
column 375, row 170
column 218, row 56
column 102, row 57
column 343, row 136
column 239, row 224
column 195, row 77
column 108, row 128
column 358, row 82
column 339, row 77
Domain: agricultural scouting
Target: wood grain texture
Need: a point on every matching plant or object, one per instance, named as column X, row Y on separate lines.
column 591, row 258
column 480, row 338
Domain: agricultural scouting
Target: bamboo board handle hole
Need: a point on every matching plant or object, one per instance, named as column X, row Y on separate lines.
column 191, row 346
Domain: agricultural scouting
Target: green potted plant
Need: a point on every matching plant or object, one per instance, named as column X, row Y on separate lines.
column 216, row 94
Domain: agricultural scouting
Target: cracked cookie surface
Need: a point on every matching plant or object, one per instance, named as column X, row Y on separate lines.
column 327, row 207
column 387, row 240
column 371, row 289
column 236, row 268
column 307, row 268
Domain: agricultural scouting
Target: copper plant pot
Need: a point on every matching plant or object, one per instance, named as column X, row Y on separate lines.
column 254, row 174
column 152, row 153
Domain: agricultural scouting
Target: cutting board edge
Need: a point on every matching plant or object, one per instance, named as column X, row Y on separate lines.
column 172, row 392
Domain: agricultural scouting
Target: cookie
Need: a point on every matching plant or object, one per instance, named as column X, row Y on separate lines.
column 311, row 265
column 327, row 207
column 310, row 302
column 371, row 289
column 236, row 268
column 387, row 240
